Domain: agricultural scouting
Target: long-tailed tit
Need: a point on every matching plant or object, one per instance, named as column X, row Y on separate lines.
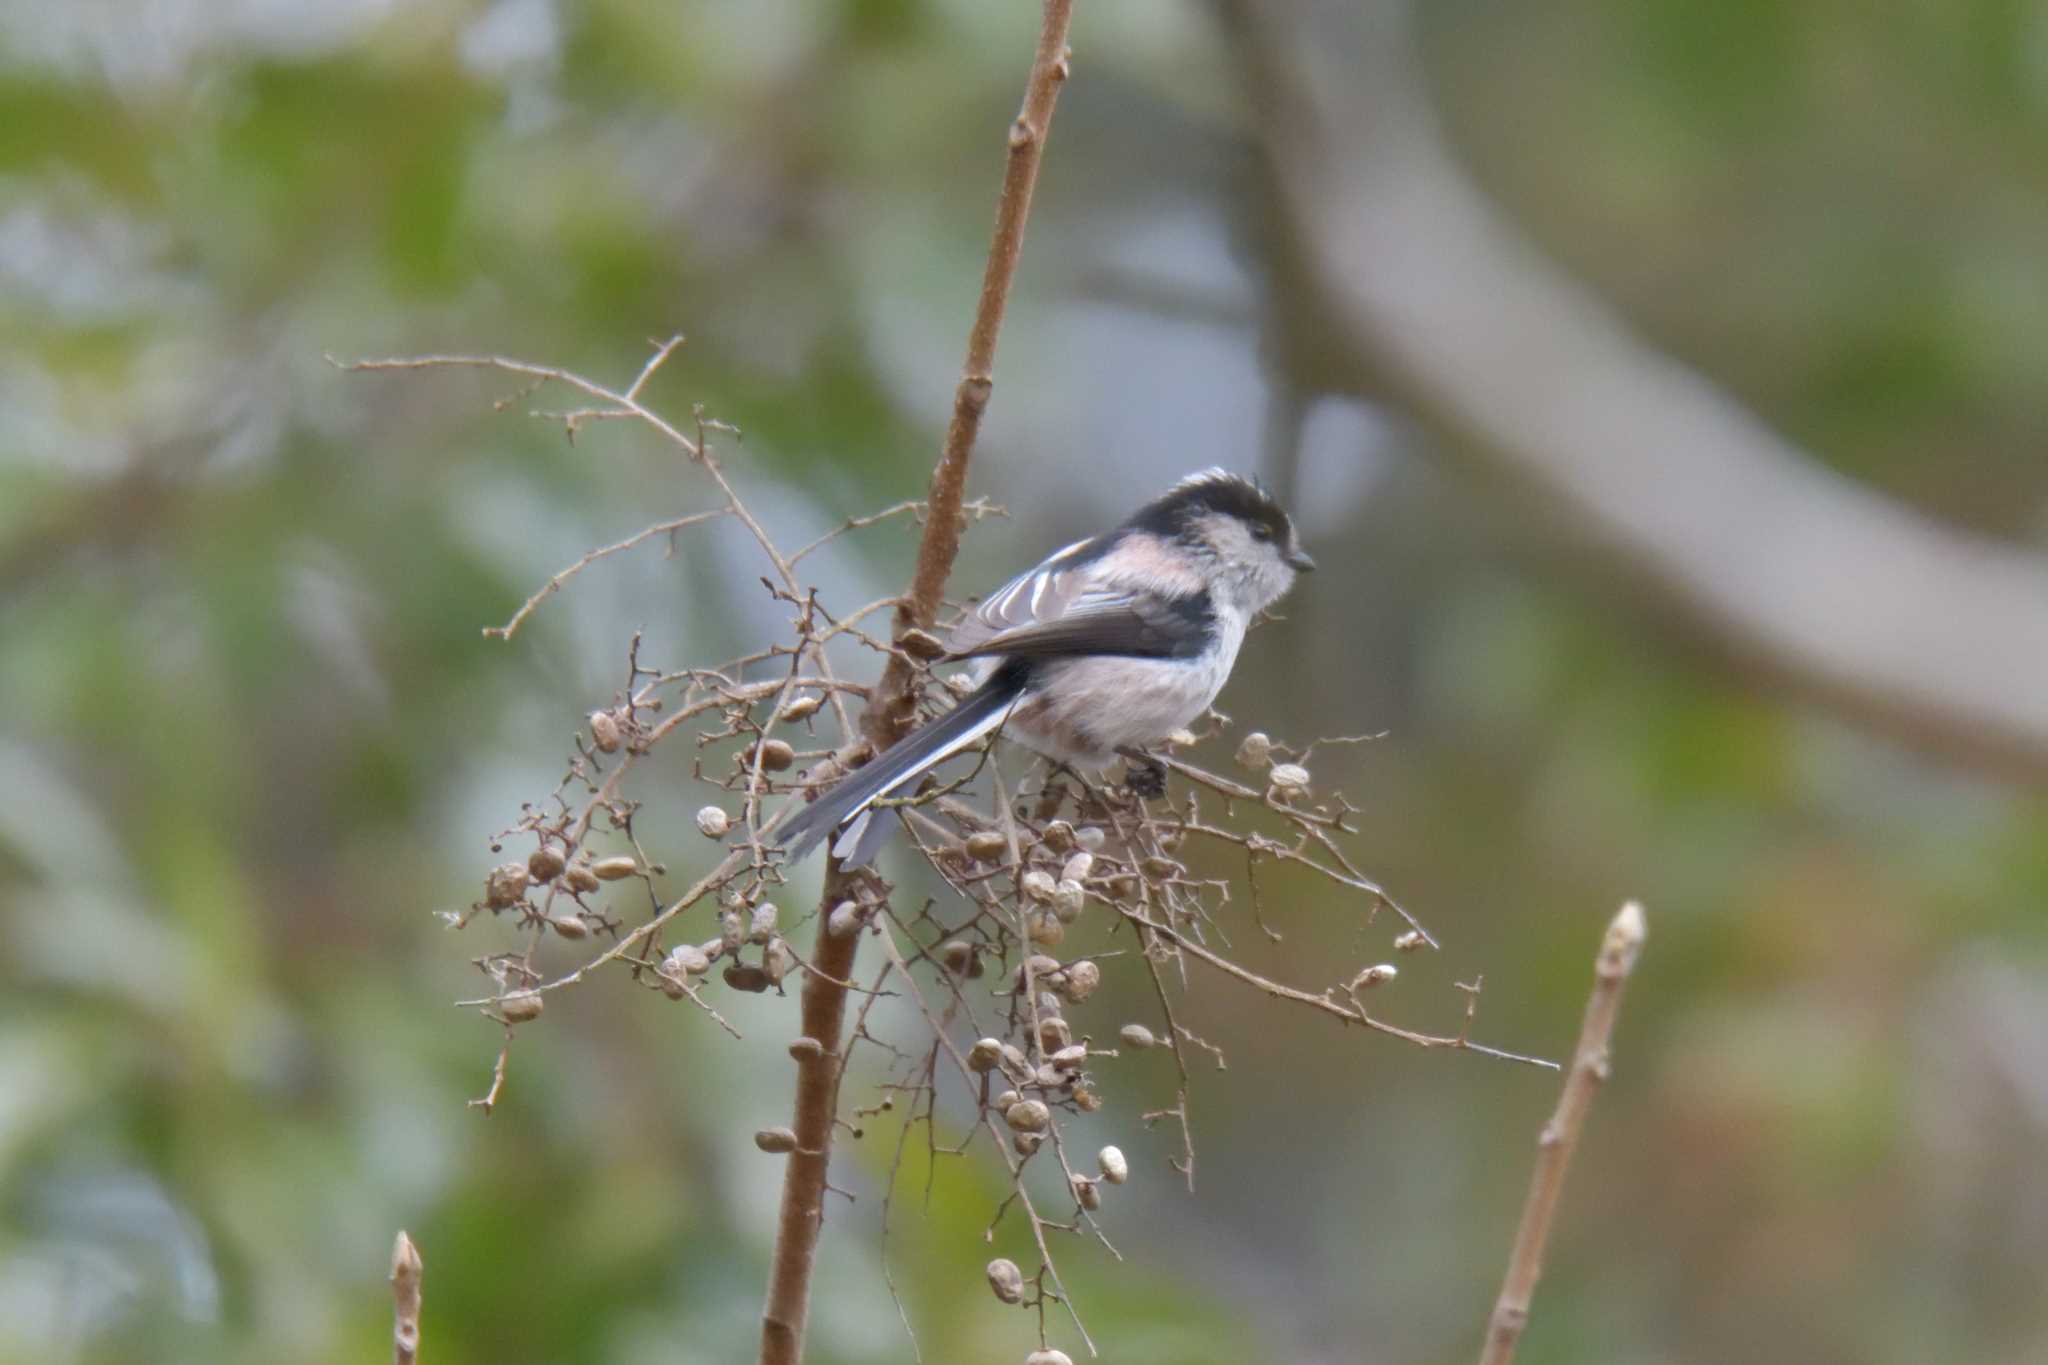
column 1109, row 646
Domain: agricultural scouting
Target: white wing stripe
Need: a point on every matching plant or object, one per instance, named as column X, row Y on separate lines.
column 850, row 831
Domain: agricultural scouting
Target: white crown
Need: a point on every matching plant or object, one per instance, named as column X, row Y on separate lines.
column 1213, row 474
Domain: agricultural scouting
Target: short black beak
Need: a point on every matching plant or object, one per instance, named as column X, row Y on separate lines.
column 1299, row 559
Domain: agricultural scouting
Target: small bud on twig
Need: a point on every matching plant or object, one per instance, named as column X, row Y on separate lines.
column 520, row 1006
column 1114, row 1168
column 1069, row 899
column 615, row 869
column 743, row 977
column 1137, row 1036
column 545, row 863
column 1038, row 967
column 505, row 885
column 1288, row 778
column 775, row 755
column 604, row 731
column 987, row 846
column 1027, row 1116
column 921, row 645
column 775, row 1140
column 712, row 822
column 688, row 959
column 1005, row 1280
column 1078, row 981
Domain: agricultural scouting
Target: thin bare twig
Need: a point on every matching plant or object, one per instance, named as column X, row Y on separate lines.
column 1350, row 1014
column 406, row 1269
column 891, row 708
column 1014, row 1164
column 1618, row 952
column 979, row 508
column 489, row 1101
column 554, row 585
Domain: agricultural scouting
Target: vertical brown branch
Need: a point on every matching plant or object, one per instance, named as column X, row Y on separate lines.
column 406, row 1268
column 817, row 1108
column 1560, row 1137
column 889, row 712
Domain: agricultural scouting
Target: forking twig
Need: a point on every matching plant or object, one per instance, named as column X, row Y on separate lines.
column 554, row 585
column 1560, row 1137
column 1354, row 1014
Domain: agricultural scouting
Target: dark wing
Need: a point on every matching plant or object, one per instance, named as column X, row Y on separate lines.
column 1037, row 594
column 1104, row 621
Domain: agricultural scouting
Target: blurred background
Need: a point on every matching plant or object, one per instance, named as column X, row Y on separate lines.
column 1658, row 383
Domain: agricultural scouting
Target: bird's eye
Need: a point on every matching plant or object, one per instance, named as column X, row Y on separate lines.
column 1261, row 531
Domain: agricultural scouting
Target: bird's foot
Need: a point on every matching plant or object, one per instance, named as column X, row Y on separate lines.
column 1144, row 775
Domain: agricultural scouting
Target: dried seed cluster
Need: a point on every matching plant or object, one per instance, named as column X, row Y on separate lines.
column 1071, row 880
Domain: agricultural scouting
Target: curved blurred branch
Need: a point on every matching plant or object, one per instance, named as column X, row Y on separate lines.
column 1417, row 288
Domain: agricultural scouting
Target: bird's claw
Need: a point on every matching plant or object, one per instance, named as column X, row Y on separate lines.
column 1145, row 776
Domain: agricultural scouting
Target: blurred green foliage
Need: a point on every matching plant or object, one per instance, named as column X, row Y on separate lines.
column 252, row 739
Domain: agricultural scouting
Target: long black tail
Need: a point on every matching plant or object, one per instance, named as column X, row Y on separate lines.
column 847, row 804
